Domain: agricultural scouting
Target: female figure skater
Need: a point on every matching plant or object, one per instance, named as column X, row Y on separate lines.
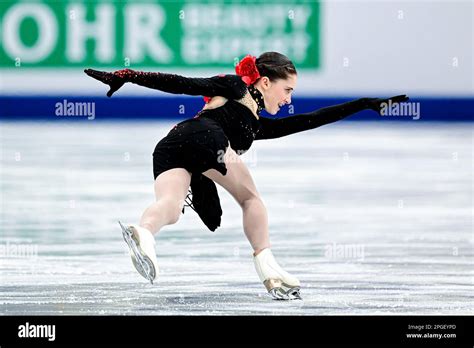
column 205, row 149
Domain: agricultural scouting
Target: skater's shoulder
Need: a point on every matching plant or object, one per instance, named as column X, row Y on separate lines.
column 232, row 82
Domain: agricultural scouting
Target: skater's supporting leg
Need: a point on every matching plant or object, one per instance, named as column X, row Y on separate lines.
column 171, row 188
column 238, row 182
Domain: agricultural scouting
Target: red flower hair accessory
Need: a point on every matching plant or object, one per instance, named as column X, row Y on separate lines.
column 248, row 69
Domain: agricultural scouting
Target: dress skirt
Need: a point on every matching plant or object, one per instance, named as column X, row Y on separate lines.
column 196, row 144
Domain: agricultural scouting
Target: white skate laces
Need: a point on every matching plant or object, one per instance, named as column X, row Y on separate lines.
column 141, row 244
column 280, row 284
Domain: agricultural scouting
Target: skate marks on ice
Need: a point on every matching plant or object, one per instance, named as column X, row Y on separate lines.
column 373, row 219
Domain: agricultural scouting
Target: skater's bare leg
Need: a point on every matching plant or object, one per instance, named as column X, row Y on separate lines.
column 171, row 188
column 239, row 183
column 279, row 283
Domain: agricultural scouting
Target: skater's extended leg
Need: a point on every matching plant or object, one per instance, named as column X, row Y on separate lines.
column 238, row 182
column 171, row 188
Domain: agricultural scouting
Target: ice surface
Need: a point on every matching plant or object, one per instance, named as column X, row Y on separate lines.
column 374, row 218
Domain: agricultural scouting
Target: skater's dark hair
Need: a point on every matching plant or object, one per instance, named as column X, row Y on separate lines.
column 275, row 66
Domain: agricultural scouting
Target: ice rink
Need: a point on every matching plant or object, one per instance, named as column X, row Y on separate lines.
column 373, row 218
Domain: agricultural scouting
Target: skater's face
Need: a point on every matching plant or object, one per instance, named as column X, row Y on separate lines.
column 276, row 93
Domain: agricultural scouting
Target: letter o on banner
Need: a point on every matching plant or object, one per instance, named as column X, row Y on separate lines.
column 47, row 32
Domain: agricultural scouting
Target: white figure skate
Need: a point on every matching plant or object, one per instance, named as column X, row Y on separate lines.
column 280, row 284
column 142, row 250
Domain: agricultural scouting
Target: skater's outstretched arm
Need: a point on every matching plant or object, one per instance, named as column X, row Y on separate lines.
column 275, row 128
column 228, row 86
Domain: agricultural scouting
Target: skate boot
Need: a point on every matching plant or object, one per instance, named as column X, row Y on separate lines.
column 142, row 250
column 280, row 284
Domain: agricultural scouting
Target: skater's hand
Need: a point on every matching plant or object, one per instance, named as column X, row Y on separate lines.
column 377, row 104
column 115, row 80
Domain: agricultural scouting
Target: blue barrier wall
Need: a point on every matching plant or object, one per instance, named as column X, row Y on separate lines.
column 16, row 108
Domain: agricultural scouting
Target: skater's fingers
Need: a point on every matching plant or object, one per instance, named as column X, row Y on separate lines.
column 91, row 72
column 113, row 88
column 98, row 75
column 108, row 78
column 110, row 92
column 399, row 98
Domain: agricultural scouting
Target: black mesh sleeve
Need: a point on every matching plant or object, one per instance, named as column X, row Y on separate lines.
column 228, row 86
column 275, row 128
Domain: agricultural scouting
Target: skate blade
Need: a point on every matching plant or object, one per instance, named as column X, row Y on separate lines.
column 142, row 263
column 286, row 293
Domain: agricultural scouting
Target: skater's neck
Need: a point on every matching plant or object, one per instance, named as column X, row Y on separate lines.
column 257, row 96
